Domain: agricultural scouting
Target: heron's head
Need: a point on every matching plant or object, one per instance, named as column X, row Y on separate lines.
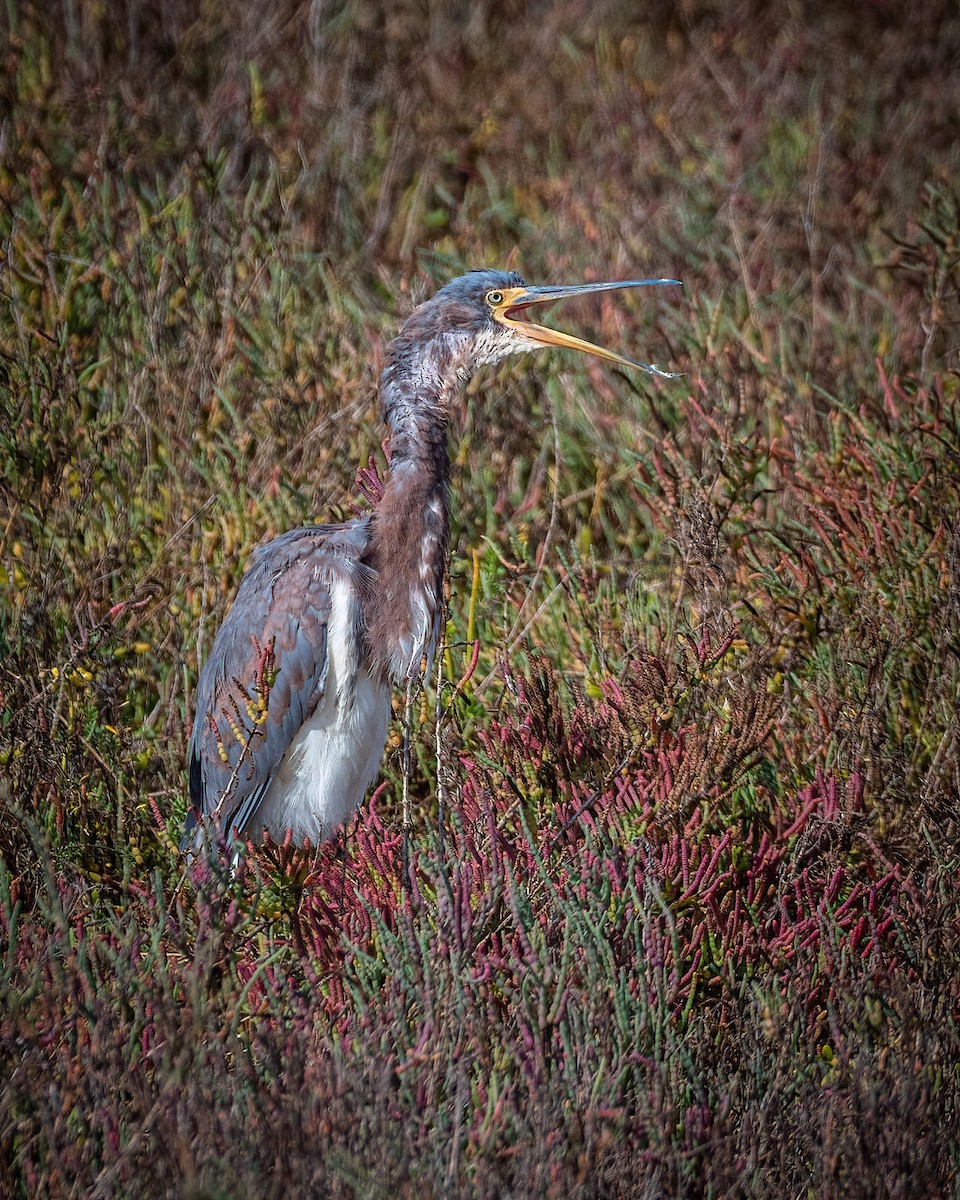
column 485, row 315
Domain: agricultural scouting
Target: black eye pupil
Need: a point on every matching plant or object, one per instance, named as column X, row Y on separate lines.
column 494, row 297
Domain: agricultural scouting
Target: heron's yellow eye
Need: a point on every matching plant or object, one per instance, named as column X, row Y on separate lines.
column 494, row 298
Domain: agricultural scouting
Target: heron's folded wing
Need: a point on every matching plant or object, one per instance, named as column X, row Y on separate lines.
column 265, row 673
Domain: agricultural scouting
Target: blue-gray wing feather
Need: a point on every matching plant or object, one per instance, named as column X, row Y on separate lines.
column 267, row 670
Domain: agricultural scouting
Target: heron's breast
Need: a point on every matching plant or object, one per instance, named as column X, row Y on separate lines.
column 418, row 608
column 403, row 605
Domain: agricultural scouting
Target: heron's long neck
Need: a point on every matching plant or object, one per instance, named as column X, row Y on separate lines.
column 410, row 527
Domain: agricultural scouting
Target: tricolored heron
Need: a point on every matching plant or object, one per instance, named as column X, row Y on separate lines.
column 293, row 703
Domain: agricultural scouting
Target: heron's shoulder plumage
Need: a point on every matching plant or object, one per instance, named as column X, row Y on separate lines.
column 336, row 547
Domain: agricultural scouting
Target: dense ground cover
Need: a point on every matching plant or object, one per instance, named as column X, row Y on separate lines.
column 682, row 912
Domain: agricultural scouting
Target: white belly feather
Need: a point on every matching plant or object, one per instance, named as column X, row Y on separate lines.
column 324, row 775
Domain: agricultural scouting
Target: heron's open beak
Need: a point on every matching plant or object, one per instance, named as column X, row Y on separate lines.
column 509, row 311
